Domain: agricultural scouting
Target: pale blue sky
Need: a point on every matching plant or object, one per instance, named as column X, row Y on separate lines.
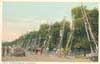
column 22, row 17
column 41, row 10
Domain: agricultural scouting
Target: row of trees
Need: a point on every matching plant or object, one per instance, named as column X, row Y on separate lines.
column 79, row 37
column 39, row 37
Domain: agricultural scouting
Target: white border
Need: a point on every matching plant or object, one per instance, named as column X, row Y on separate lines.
column 0, row 27
column 99, row 32
column 56, row 0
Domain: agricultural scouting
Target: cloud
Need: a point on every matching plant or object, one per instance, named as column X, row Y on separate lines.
column 15, row 27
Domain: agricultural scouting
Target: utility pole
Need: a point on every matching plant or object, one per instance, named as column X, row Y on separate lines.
column 61, row 36
column 88, row 29
column 69, row 43
column 49, row 36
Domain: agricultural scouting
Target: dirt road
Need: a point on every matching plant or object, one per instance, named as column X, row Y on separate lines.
column 46, row 58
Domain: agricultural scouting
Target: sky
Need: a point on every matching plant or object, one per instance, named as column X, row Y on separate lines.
column 22, row 17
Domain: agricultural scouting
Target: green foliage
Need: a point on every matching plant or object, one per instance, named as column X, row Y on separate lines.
column 43, row 33
column 76, row 13
column 6, row 43
column 55, row 34
column 55, row 31
column 66, row 34
column 94, row 18
column 80, row 38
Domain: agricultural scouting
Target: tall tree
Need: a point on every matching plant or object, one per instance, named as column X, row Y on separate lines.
column 80, row 38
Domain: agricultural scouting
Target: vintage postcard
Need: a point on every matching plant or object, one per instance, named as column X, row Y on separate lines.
column 50, row 31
